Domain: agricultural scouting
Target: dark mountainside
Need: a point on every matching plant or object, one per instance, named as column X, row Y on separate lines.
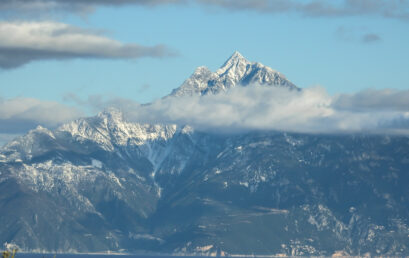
column 102, row 183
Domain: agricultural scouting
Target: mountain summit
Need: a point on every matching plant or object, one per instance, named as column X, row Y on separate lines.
column 103, row 184
column 236, row 71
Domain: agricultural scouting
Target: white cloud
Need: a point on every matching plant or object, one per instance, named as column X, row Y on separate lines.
column 367, row 100
column 5, row 138
column 18, row 115
column 311, row 110
column 24, row 42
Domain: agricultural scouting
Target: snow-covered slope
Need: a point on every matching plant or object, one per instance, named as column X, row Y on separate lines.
column 103, row 183
column 86, row 170
column 108, row 130
column 236, row 71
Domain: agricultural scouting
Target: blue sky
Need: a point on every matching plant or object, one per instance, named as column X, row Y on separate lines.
column 361, row 46
column 327, row 51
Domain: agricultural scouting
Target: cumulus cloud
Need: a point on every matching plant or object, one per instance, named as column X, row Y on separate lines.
column 18, row 115
column 24, row 42
column 311, row 110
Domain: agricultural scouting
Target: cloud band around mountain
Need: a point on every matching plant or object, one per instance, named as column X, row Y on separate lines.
column 25, row 42
column 255, row 107
column 241, row 109
column 311, row 110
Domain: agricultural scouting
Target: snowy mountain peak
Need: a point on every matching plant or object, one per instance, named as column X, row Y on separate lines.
column 111, row 115
column 236, row 71
column 235, row 67
column 110, row 129
column 237, row 54
column 106, row 131
column 236, row 60
column 201, row 70
column 197, row 82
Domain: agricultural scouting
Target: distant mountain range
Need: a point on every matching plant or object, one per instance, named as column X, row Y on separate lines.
column 105, row 184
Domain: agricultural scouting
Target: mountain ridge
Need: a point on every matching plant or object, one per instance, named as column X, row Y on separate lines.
column 102, row 183
column 236, row 71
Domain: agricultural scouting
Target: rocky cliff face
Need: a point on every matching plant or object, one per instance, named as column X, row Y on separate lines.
column 103, row 183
